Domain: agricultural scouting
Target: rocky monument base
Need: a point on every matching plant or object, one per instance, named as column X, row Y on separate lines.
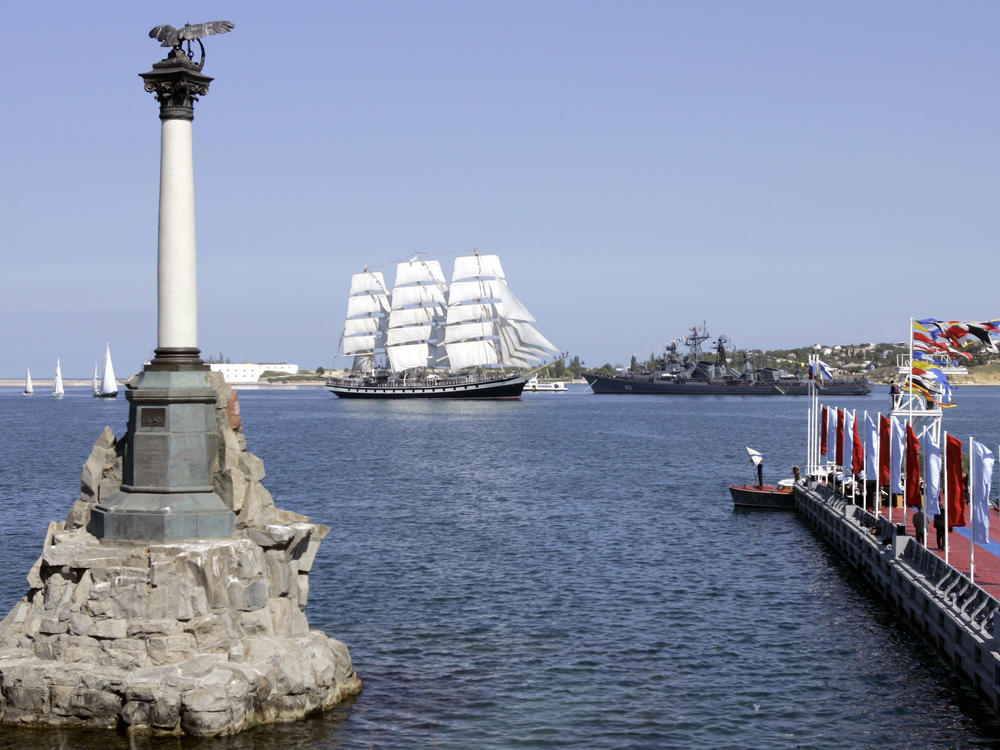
column 204, row 638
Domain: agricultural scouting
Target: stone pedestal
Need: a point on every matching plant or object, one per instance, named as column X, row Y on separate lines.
column 199, row 637
column 166, row 492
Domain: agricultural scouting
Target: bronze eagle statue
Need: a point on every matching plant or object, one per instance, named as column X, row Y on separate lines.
column 168, row 36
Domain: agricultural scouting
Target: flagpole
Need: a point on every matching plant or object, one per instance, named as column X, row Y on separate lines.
column 864, row 491
column 812, row 426
column 878, row 466
column 892, row 487
column 972, row 509
column 944, row 471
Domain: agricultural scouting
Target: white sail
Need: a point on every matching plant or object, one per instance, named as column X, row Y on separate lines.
column 418, row 306
column 472, row 354
column 367, row 281
column 472, row 330
column 109, row 386
column 477, row 266
column 413, row 316
column 427, row 272
column 358, row 326
column 486, row 323
column 364, row 328
column 463, row 313
column 28, row 387
column 57, row 385
column 405, row 296
column 477, row 291
column 366, row 304
column 359, row 344
column 409, row 334
column 93, row 385
column 408, row 356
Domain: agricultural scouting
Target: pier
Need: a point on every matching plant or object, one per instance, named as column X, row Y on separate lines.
column 956, row 616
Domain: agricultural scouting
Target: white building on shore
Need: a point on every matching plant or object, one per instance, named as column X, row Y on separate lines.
column 250, row 372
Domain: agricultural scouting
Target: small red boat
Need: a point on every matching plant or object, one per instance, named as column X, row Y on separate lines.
column 763, row 496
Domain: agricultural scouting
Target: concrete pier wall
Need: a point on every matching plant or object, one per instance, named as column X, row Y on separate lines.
column 955, row 616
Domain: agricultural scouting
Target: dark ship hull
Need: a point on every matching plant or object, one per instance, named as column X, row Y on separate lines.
column 757, row 496
column 651, row 384
column 507, row 387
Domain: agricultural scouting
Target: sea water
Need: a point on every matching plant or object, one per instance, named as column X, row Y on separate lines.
column 562, row 571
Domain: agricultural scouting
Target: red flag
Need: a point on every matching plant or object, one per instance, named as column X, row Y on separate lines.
column 956, row 485
column 912, row 468
column 883, row 451
column 858, row 452
column 822, row 434
column 839, row 457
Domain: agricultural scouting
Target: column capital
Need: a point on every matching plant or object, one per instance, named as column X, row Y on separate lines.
column 177, row 83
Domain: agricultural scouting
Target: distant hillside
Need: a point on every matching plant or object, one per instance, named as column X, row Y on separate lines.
column 877, row 361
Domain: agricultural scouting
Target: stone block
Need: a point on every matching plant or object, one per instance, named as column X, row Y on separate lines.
column 165, row 714
column 34, row 698
column 52, row 626
column 250, row 562
column 145, row 629
column 118, row 575
column 125, row 653
column 109, row 628
column 99, row 607
column 86, row 703
column 82, row 591
column 171, row 649
column 81, row 648
column 154, row 604
column 49, row 648
column 281, row 610
column 279, row 577
column 13, row 623
column 252, row 466
column 79, row 623
column 303, row 589
column 136, row 714
column 55, row 588
column 210, row 634
column 205, row 699
column 161, row 571
column 286, row 517
column 130, row 601
column 257, row 622
column 317, row 534
column 249, row 596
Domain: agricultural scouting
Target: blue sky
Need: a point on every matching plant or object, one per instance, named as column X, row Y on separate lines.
column 788, row 172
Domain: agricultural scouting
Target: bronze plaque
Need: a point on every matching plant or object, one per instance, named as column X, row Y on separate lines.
column 153, row 417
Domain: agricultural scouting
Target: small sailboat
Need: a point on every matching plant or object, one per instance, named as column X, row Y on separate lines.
column 28, row 387
column 109, row 386
column 93, row 384
column 57, row 384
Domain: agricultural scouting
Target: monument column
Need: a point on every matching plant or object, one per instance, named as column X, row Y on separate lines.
column 166, row 492
column 177, row 83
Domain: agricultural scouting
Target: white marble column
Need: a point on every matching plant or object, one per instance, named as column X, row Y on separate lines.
column 177, row 275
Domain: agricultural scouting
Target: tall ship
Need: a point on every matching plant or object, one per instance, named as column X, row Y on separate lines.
column 692, row 374
column 430, row 338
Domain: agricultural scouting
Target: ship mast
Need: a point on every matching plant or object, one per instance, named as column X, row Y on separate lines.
column 694, row 340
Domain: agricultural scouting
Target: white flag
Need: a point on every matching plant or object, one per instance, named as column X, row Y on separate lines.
column 895, row 455
column 871, row 455
column 932, row 475
column 982, row 469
